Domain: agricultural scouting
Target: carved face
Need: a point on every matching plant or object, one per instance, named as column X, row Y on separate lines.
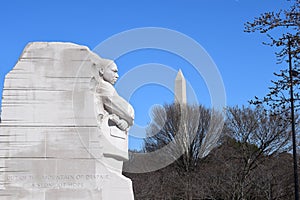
column 110, row 73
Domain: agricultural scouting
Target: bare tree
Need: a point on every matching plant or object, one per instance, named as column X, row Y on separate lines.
column 246, row 164
column 189, row 133
column 257, row 133
column 283, row 30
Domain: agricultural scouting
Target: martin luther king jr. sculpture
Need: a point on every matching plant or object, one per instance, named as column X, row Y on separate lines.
column 114, row 114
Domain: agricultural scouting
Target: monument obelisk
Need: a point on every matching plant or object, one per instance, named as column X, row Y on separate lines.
column 180, row 88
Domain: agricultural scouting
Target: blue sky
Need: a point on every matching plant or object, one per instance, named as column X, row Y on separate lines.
column 245, row 65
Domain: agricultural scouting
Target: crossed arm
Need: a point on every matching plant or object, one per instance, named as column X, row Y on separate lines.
column 120, row 111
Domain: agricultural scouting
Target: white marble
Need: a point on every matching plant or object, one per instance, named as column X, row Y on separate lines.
column 180, row 88
column 53, row 146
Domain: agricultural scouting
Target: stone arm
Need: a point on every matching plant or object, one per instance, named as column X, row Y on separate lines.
column 121, row 124
column 114, row 104
column 119, row 107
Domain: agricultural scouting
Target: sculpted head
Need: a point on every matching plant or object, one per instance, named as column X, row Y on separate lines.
column 108, row 70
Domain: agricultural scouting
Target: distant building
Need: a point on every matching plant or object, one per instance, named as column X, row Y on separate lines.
column 180, row 88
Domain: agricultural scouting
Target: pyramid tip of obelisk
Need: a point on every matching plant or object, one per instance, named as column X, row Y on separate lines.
column 179, row 75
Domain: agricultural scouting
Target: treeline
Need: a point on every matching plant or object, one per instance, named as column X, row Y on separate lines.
column 242, row 154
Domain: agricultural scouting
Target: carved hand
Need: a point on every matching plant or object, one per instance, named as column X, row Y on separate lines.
column 121, row 124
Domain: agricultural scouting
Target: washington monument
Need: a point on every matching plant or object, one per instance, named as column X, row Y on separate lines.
column 180, row 88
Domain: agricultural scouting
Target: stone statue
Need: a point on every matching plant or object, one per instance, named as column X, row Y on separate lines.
column 63, row 141
column 114, row 114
